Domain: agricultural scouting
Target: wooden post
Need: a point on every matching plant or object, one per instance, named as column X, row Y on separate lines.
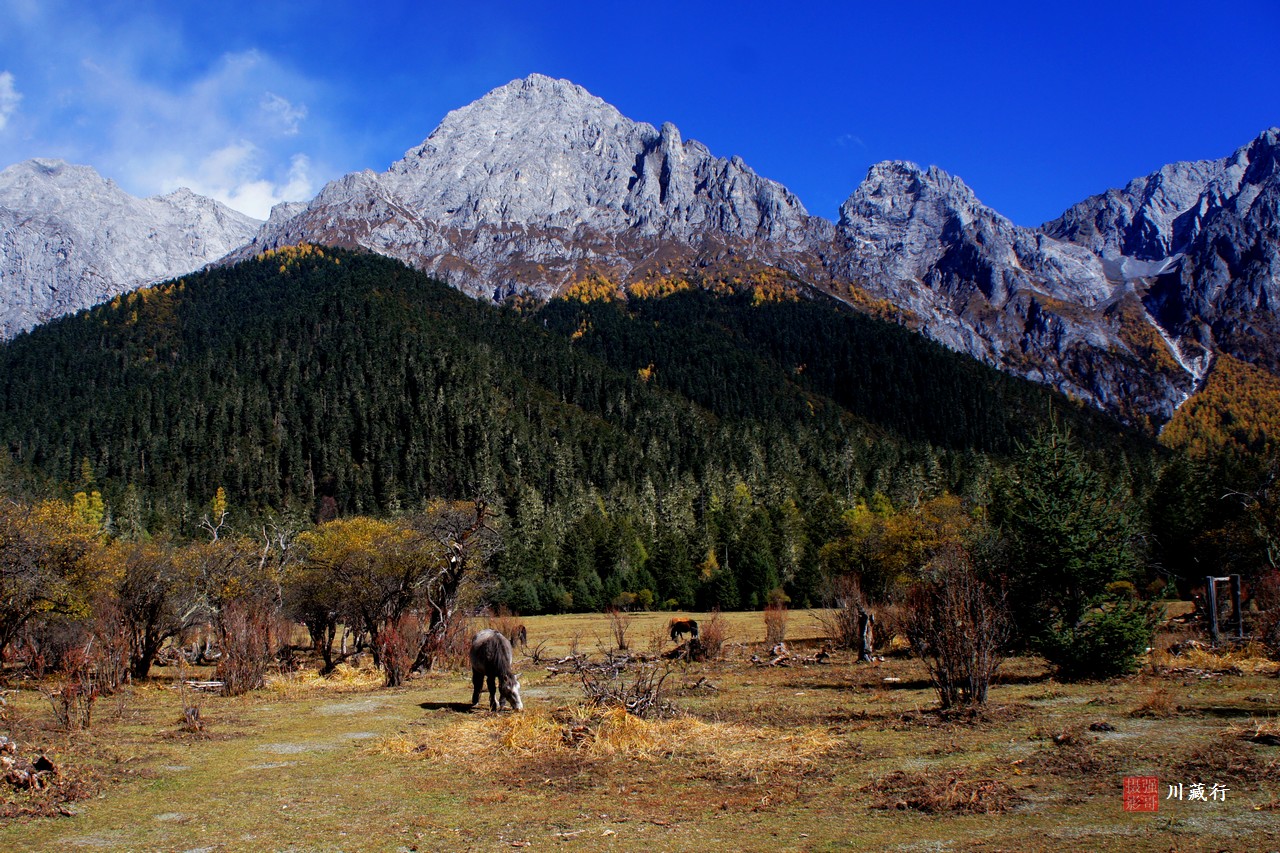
column 1236, row 609
column 1211, row 604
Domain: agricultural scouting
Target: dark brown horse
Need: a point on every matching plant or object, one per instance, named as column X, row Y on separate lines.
column 680, row 627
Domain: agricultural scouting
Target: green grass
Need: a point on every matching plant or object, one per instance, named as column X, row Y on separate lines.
column 816, row 757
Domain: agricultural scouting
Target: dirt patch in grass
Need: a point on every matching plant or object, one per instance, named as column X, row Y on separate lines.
column 1230, row 759
column 972, row 716
column 943, row 793
column 1072, row 754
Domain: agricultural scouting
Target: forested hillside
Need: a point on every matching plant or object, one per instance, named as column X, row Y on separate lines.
column 696, row 449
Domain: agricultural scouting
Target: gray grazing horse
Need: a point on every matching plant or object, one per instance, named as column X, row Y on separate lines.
column 491, row 659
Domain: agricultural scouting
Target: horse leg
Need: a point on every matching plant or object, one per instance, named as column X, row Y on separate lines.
column 477, row 682
column 493, row 690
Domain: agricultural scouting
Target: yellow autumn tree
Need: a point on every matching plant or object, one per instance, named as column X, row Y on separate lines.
column 48, row 563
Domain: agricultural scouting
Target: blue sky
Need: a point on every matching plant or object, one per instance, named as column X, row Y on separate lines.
column 1035, row 106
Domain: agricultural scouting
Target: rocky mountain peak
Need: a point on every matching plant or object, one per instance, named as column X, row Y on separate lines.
column 897, row 191
column 70, row 238
column 1158, row 216
column 541, row 174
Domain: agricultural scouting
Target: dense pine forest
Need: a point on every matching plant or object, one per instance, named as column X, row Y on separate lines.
column 694, row 450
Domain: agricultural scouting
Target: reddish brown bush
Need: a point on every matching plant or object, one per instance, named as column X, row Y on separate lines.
column 958, row 626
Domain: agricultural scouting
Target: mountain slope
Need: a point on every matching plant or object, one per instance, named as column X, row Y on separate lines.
column 303, row 368
column 70, row 239
column 1012, row 297
column 540, row 186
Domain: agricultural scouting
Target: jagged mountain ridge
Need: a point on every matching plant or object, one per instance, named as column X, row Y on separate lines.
column 1206, row 237
column 538, row 181
column 70, row 238
column 540, row 184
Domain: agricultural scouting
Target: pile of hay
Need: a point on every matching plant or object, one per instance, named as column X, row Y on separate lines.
column 604, row 732
column 1198, row 658
column 308, row 682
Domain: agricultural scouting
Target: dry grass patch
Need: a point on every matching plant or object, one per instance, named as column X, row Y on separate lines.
column 306, row 683
column 591, row 732
column 973, row 716
column 1266, row 731
column 1250, row 659
column 1072, row 754
column 1158, row 705
column 1227, row 759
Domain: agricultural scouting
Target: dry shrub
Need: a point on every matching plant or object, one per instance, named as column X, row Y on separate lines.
column 444, row 645
column 398, row 641
column 943, row 793
column 657, row 640
column 847, row 615
column 111, row 646
column 1159, row 704
column 453, row 643
column 245, row 636
column 891, row 627
column 619, row 623
column 92, row 660
column 775, row 623
column 712, row 634
column 73, row 694
column 958, row 626
column 640, row 695
column 507, row 624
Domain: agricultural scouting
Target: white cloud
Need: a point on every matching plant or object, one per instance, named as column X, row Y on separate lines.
column 233, row 175
column 285, row 114
column 133, row 97
column 225, row 134
column 9, row 97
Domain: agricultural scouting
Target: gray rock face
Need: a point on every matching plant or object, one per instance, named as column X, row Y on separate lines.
column 1225, row 291
column 70, row 239
column 1160, row 215
column 540, row 180
column 1202, row 238
column 1013, row 297
column 546, row 153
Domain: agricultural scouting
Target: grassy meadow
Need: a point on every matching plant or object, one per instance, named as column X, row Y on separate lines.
column 836, row 755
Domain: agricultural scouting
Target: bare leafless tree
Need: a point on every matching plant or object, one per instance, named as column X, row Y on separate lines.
column 619, row 623
column 958, row 625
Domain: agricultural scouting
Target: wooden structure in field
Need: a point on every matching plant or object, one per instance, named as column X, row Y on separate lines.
column 1211, row 606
